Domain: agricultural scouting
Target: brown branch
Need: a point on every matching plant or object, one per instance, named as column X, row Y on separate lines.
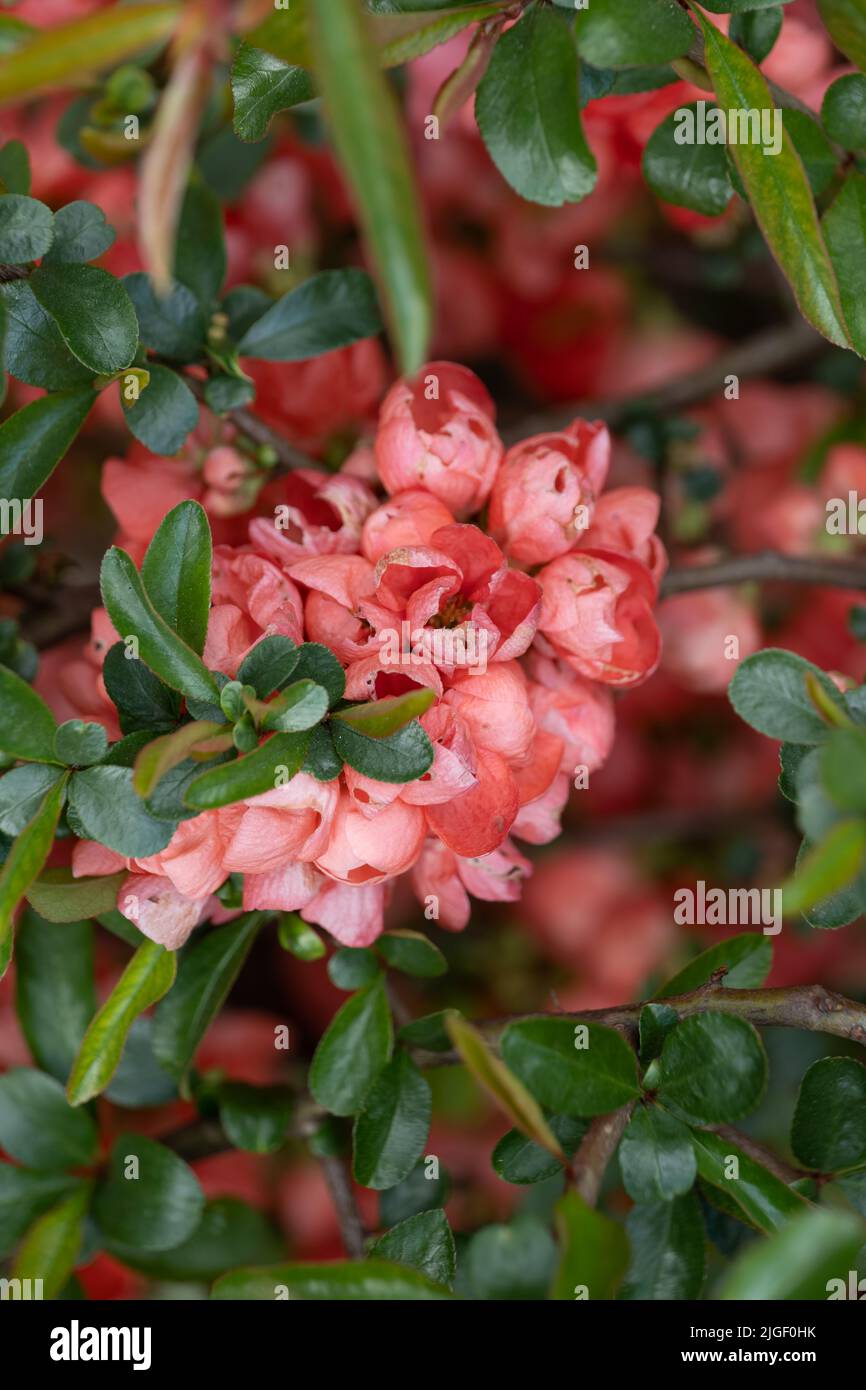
column 339, row 1182
column 250, row 424
column 768, row 566
column 760, row 1153
column 597, row 1148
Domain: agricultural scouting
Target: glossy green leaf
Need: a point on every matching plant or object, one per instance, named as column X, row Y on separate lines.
column 24, row 1196
column 26, row 723
column 78, row 744
column 582, row 1069
column 270, row 664
column 82, row 47
column 154, row 1202
column 208, row 969
column 54, row 990
column 35, row 439
column 844, row 225
column 147, row 977
column 35, row 351
column 143, row 702
column 799, row 1261
column 429, row 1032
column 843, row 111
column 255, row 1118
column 93, row 312
column 353, row 1050
column 271, row 765
column 104, row 806
column 300, row 939
column 520, row 1160
column 826, row 868
column 81, row 233
column 24, row 861
column 763, row 1199
column 176, row 572
column 133, row 614
column 509, row 1262
column 747, row 960
column 157, row 758
column 816, row 153
column 846, row 22
column 58, row 897
column 263, row 85
column 379, row 1281
column 503, row 1084
column 656, row 1157
column 165, row 413
column 528, row 111
column 229, row 1234
column 400, row 757
column 625, row 33
column 26, row 229
column 778, row 192
column 423, row 1242
column 769, row 692
column 352, row 966
column 37, row 1125
column 757, row 30
column 14, row 158
column 667, row 1251
column 829, row 1126
column 654, row 1024
column 300, row 706
column 378, row 718
column 391, row 1130
column 328, row 311
column 593, row 1252
column 174, row 325
column 21, row 794
column 200, row 259
column 690, row 175
column 412, row 953
column 372, row 149
column 712, row 1068
column 50, row 1249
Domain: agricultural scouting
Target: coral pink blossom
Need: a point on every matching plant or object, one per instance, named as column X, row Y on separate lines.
column 318, row 514
column 252, row 597
column 706, row 635
column 597, row 616
column 407, row 519
column 625, row 520
column 436, row 432
column 368, row 850
column 578, row 712
column 545, row 492
column 495, row 707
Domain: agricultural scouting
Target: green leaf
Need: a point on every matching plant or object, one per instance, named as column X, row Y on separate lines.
column 147, row 977
column 826, row 868
column 229, row 1233
column 26, row 723
column 352, row 966
column 133, row 614
column 799, row 1261
column 255, row 1118
column 689, row 175
column 747, row 960
column 429, row 1032
column 509, row 1262
column 778, row 192
column 582, row 1069
column 656, row 1156
column 712, row 1068
column 38, row 1127
column 262, row 85
column 103, row 806
column 165, row 413
column 165, row 753
column 321, row 761
column 24, row 861
column 764, row 1200
column 829, row 1126
column 627, row 33
column 816, row 153
column 153, row 1204
column 143, row 702
column 846, row 23
column 77, row 744
column 378, row 718
column 81, row 233
column 71, row 51
column 21, row 794
column 421, row 1191
column 174, row 325
column 368, row 1280
column 372, row 149
column 176, row 572
column 317, row 663
column 843, row 111
column 757, row 30
column 208, row 969
column 528, row 111
column 506, row 1088
column 35, row 350
column 353, row 1050
column 769, row 692
column 391, row 1130
column 271, row 765
column 14, row 158
column 23, row 1197
column 93, row 312
column 35, row 439
column 520, row 1160
column 423, row 1242
column 54, row 992
column 412, row 953
column 667, row 1251
column 269, row 666
column 299, row 707
column 139, row 1080
column 58, row 897
column 844, row 225
column 26, row 229
column 593, row 1252
column 400, row 757
column 328, row 311
column 654, row 1024
column 298, row 938
column 50, row 1249
column 226, row 393
column 200, row 250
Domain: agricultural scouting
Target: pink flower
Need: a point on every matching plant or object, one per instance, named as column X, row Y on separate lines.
column 313, row 400
column 159, row 911
column 340, row 609
column 538, row 822
column 442, row 880
column 319, row 514
column 407, row 519
column 706, row 636
column 625, row 520
column 353, row 915
column 478, row 820
column 292, row 822
column 579, row 712
column 495, row 707
column 545, row 492
column 436, row 432
column 252, row 597
column 460, row 582
column 362, row 849
column 597, row 615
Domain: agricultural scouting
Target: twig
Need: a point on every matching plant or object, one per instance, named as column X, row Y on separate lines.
column 597, row 1148
column 340, row 1187
column 250, row 424
column 767, row 565
column 767, row 1159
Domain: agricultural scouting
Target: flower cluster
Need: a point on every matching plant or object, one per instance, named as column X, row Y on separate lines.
column 521, row 629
